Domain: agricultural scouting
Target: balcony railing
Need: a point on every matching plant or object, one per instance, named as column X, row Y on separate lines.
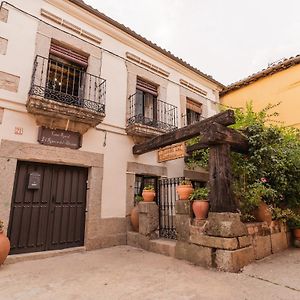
column 67, row 84
column 157, row 114
column 193, row 118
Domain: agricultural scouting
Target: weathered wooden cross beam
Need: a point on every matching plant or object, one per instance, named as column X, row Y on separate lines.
column 218, row 134
column 182, row 134
column 219, row 139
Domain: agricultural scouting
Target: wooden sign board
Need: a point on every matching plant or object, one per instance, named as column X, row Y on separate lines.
column 171, row 152
column 59, row 138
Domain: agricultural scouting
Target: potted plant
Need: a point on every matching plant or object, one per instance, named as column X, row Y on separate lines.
column 184, row 189
column 148, row 193
column 134, row 216
column 4, row 244
column 294, row 223
column 200, row 205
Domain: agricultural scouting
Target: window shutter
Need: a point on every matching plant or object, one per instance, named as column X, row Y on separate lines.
column 194, row 106
column 69, row 55
column 145, row 86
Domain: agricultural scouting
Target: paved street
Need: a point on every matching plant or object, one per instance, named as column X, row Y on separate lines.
column 129, row 273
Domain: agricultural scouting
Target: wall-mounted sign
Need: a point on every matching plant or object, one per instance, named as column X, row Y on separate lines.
column 171, row 152
column 59, row 138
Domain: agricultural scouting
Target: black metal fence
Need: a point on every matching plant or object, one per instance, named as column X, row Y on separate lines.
column 67, row 84
column 166, row 201
column 158, row 114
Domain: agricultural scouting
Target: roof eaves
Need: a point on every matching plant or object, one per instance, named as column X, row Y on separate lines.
column 280, row 66
column 129, row 31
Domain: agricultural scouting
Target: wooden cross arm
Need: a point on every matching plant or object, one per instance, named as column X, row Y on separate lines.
column 182, row 134
column 219, row 134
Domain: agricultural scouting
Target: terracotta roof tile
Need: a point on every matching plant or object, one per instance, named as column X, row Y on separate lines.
column 272, row 69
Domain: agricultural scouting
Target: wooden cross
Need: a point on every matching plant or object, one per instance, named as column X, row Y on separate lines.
column 220, row 140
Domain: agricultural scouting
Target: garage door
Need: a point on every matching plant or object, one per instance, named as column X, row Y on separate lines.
column 48, row 207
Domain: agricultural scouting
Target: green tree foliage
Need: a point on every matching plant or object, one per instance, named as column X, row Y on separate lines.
column 271, row 170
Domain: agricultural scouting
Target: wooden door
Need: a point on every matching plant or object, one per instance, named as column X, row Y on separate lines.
column 50, row 214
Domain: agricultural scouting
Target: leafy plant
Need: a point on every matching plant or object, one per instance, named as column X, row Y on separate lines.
column 199, row 194
column 185, row 182
column 137, row 199
column 284, row 215
column 198, row 158
column 294, row 221
column 149, row 187
column 270, row 171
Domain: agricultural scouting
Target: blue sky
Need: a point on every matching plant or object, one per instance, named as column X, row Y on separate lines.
column 228, row 39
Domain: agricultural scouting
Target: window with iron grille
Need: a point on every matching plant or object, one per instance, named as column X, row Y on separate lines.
column 141, row 181
column 63, row 77
column 66, row 74
column 193, row 111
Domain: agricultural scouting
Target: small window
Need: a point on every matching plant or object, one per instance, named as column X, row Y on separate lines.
column 198, row 184
column 141, row 181
column 193, row 111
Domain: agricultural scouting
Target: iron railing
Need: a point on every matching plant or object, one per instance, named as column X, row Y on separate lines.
column 166, row 199
column 192, row 120
column 67, row 84
column 159, row 114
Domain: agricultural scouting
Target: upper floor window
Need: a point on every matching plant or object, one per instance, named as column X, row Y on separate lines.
column 146, row 101
column 146, row 109
column 63, row 77
column 66, row 73
column 193, row 111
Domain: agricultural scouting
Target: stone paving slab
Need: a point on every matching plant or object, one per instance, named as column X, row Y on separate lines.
column 130, row 273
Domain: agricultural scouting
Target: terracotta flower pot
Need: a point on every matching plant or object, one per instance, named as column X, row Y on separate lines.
column 200, row 209
column 148, row 195
column 134, row 218
column 263, row 213
column 297, row 233
column 4, row 247
column 184, row 191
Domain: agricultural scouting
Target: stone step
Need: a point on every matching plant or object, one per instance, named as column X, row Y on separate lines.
column 163, row 246
column 11, row 259
column 133, row 239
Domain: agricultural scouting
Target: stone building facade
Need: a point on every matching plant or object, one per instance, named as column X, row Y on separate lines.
column 77, row 91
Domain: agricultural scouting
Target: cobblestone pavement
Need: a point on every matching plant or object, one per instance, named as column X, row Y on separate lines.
column 129, row 273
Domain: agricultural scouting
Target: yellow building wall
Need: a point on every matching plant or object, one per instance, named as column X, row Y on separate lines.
column 283, row 87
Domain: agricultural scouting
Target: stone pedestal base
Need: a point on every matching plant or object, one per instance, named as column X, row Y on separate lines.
column 234, row 261
column 198, row 255
column 148, row 219
column 225, row 225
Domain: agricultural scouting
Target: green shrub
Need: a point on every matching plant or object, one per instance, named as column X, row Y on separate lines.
column 199, row 194
column 270, row 171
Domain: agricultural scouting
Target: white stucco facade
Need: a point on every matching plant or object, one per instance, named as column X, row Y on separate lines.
column 28, row 32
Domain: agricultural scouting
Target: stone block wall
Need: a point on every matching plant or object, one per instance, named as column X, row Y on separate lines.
column 222, row 241
column 268, row 239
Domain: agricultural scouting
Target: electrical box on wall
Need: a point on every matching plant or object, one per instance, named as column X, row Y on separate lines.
column 34, row 182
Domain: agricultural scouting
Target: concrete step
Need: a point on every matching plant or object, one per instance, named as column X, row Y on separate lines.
column 11, row 259
column 163, row 246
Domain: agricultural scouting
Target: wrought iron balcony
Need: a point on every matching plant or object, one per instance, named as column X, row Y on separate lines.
column 150, row 117
column 67, row 84
column 65, row 91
